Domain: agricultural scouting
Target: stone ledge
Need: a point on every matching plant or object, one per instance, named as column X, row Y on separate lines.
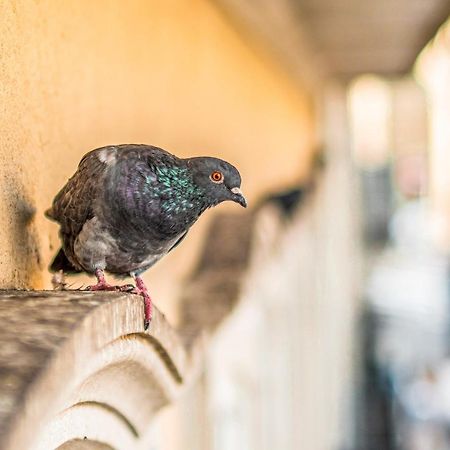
column 76, row 365
column 68, row 354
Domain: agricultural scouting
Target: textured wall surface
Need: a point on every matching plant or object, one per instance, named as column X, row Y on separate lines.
column 77, row 75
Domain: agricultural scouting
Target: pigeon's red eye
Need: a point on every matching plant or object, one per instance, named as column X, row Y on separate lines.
column 216, row 176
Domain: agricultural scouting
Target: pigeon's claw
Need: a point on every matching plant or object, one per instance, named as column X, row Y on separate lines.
column 102, row 285
column 109, row 287
column 126, row 288
column 141, row 289
column 147, row 309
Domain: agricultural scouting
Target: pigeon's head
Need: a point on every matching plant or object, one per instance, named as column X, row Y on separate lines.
column 219, row 180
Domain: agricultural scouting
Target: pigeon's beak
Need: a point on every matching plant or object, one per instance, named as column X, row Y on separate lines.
column 238, row 197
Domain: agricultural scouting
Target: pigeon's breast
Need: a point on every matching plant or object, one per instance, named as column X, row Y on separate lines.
column 136, row 258
column 96, row 248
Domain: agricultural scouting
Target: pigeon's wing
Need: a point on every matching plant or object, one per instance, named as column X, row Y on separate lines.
column 179, row 241
column 73, row 205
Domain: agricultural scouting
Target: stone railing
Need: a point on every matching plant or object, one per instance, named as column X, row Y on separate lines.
column 77, row 371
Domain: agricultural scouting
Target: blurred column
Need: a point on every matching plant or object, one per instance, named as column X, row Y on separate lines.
column 369, row 101
column 433, row 70
column 409, row 118
column 338, row 274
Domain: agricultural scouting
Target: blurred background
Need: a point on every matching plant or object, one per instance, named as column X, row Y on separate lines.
column 337, row 114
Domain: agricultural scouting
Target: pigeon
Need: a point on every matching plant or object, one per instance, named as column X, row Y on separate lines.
column 129, row 205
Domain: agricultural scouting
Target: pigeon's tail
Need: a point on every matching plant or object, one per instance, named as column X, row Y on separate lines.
column 60, row 262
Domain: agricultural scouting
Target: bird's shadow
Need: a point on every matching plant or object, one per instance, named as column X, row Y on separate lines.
column 24, row 253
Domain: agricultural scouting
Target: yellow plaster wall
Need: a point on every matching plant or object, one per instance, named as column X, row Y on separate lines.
column 79, row 74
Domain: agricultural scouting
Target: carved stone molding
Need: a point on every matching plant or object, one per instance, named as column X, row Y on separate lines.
column 76, row 368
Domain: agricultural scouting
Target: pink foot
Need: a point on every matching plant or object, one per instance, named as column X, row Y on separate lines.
column 141, row 289
column 102, row 285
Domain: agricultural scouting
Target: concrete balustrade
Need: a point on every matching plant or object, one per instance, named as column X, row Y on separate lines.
column 77, row 369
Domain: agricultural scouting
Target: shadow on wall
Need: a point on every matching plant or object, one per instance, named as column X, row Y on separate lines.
column 21, row 238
